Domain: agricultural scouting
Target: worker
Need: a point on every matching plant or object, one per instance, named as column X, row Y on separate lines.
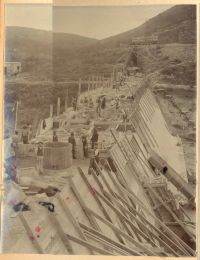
column 40, row 152
column 94, row 138
column 30, row 132
column 98, row 109
column 55, row 137
column 124, row 115
column 86, row 101
column 117, row 104
column 94, row 161
column 72, row 141
column 103, row 103
column 85, row 146
column 44, row 124
column 15, row 141
column 117, row 86
column 25, row 135
column 74, row 103
column 91, row 102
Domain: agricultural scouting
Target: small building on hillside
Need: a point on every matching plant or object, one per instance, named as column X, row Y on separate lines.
column 12, row 68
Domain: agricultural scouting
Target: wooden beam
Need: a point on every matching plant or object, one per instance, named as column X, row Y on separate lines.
column 72, row 219
column 91, row 190
column 142, row 247
column 88, row 245
column 172, row 213
column 30, row 234
column 61, row 234
column 83, row 206
column 137, row 220
column 129, row 250
column 179, row 241
column 105, row 243
column 118, row 213
column 148, row 129
column 120, row 219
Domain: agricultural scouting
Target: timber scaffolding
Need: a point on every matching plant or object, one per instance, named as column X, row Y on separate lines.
column 128, row 209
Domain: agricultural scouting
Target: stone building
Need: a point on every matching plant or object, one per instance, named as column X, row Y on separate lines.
column 12, row 68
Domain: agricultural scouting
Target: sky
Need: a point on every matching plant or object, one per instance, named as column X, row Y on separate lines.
column 94, row 22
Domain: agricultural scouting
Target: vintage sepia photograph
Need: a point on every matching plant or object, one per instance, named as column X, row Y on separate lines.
column 99, row 133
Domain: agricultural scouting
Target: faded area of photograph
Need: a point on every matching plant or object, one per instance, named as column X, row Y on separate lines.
column 99, row 130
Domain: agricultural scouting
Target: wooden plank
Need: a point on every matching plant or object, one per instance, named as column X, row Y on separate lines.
column 147, row 128
column 72, row 219
column 140, row 160
column 61, row 234
column 149, row 105
column 141, row 134
column 103, row 191
column 144, row 128
column 119, row 245
column 140, row 246
column 137, row 220
column 142, row 218
column 135, row 228
column 145, row 109
column 88, row 245
column 126, row 191
column 143, row 163
column 83, row 206
column 179, row 241
column 91, row 190
column 122, row 151
column 172, row 213
column 106, row 244
column 121, row 220
column 30, row 233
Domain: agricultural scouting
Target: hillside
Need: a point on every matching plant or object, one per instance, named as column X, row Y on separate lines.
column 64, row 56
column 177, row 25
column 35, row 49
column 180, row 18
column 74, row 56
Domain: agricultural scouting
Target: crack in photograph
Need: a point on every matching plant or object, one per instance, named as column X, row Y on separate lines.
column 99, row 132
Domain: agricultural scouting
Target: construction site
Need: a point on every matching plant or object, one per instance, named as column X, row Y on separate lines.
column 105, row 173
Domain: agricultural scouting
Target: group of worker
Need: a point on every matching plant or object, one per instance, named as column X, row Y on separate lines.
column 72, row 141
column 87, row 101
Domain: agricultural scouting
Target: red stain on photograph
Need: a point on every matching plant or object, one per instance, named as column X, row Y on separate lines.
column 37, row 229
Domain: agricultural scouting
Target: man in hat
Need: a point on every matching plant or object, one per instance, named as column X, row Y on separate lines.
column 94, row 138
column 25, row 134
column 94, row 162
column 40, row 153
column 85, row 145
column 55, row 137
column 72, row 141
